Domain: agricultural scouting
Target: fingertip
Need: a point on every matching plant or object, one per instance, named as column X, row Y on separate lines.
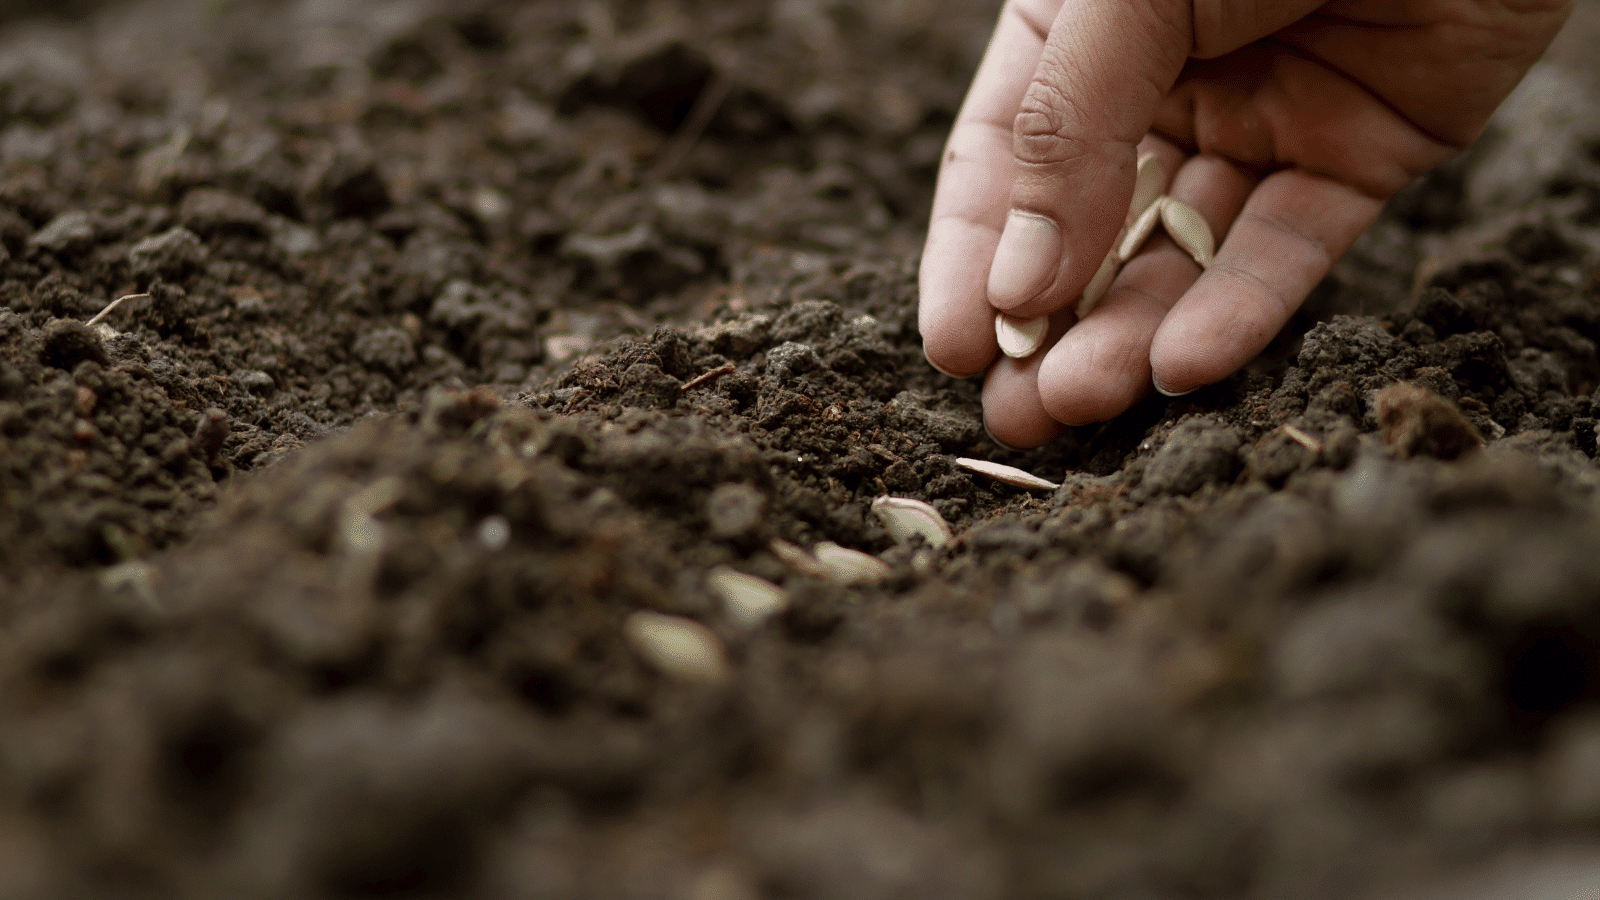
column 1012, row 415
column 1026, row 260
column 1075, row 389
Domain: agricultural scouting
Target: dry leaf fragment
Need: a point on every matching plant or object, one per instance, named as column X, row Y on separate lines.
column 1147, row 185
column 749, row 600
column 1099, row 284
column 903, row 517
column 851, row 567
column 1019, row 338
column 1007, row 474
column 1189, row 230
column 677, row 647
column 1140, row 230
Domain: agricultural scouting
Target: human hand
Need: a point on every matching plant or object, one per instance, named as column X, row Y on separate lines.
column 1285, row 124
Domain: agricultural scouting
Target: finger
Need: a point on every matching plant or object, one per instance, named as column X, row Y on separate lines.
column 1293, row 228
column 1101, row 77
column 970, row 202
column 1221, row 27
column 1012, row 412
column 1102, row 366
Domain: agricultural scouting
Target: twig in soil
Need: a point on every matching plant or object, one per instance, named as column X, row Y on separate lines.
column 700, row 115
column 1303, row 439
column 712, row 375
column 111, row 306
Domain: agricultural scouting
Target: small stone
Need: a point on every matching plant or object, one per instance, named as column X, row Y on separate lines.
column 789, row 359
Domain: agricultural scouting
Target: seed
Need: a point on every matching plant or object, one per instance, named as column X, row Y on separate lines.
column 677, row 647
column 1007, row 474
column 1147, row 185
column 749, row 600
column 1189, row 229
column 797, row 558
column 851, row 567
column 1019, row 338
column 1140, row 231
column 903, row 518
column 1098, row 285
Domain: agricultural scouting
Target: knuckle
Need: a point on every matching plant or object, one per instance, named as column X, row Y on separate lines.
column 1048, row 129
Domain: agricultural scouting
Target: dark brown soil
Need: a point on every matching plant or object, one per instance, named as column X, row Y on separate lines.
column 473, row 328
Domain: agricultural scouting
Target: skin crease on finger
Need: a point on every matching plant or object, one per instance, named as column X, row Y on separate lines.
column 1347, row 101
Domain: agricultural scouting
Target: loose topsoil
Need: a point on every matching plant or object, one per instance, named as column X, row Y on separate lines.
column 473, row 328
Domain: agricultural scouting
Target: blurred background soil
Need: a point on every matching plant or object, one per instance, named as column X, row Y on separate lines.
column 474, row 329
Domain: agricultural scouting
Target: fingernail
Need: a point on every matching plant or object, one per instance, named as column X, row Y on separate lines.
column 1162, row 388
column 1026, row 261
column 1003, row 444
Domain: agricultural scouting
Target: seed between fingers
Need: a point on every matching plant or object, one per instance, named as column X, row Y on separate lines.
column 1019, row 338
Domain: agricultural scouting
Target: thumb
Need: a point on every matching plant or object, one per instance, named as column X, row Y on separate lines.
column 1100, row 80
column 1104, row 70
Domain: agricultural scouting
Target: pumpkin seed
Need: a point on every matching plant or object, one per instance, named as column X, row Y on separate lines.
column 1189, row 230
column 851, row 567
column 1140, row 230
column 796, row 558
column 1099, row 284
column 749, row 600
column 1007, row 474
column 1019, row 338
column 677, row 647
column 904, row 518
column 1147, row 185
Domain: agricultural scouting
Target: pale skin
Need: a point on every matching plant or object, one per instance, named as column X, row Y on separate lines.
column 1286, row 123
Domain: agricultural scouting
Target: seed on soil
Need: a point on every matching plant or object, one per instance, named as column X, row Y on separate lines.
column 749, row 600
column 1007, row 474
column 1303, row 439
column 904, row 518
column 851, row 567
column 113, row 305
column 1019, row 338
column 1141, row 229
column 796, row 558
column 1147, row 185
column 1099, row 284
column 1189, row 230
column 677, row 647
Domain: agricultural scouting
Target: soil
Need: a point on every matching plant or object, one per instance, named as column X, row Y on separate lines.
column 472, row 329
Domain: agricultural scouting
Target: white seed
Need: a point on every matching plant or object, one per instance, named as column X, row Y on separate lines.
column 749, row 600
column 1099, row 284
column 797, row 558
column 851, row 567
column 1007, row 474
column 1140, row 230
column 1019, row 338
column 1189, row 230
column 904, row 518
column 677, row 647
column 1147, row 185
